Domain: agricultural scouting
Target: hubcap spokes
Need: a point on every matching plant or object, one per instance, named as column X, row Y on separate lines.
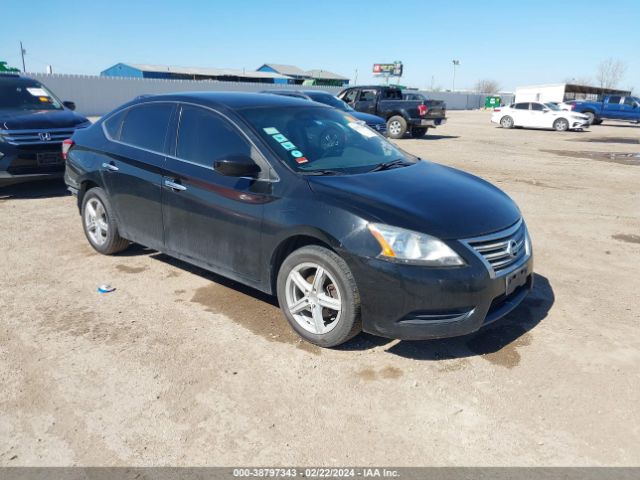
column 95, row 218
column 313, row 298
column 394, row 128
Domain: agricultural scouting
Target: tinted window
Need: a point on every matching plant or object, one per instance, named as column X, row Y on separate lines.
column 330, row 100
column 392, row 94
column 205, row 137
column 614, row 99
column 629, row 101
column 146, row 125
column 537, row 106
column 521, row 106
column 367, row 96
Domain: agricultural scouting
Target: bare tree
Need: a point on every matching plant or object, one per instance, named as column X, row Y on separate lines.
column 487, row 86
column 610, row 72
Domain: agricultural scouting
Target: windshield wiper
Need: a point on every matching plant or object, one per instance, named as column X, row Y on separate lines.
column 400, row 162
column 323, row 172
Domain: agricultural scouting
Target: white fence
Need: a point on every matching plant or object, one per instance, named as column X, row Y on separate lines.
column 96, row 95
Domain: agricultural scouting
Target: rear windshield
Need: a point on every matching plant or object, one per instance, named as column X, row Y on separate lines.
column 16, row 94
column 312, row 139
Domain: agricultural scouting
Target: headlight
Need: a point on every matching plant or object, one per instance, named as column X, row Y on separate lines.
column 416, row 248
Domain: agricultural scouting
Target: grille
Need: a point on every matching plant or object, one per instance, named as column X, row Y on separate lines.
column 36, row 137
column 503, row 249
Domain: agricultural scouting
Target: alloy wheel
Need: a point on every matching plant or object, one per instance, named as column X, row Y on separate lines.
column 95, row 220
column 313, row 298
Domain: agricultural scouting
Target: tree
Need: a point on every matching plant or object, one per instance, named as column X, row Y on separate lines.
column 487, row 86
column 610, row 72
column 5, row 68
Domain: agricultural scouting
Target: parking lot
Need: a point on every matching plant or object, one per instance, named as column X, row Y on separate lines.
column 182, row 367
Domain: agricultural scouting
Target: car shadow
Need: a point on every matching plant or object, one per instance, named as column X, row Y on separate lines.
column 35, row 189
column 492, row 339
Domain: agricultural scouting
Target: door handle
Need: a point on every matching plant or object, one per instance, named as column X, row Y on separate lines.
column 174, row 186
column 110, row 166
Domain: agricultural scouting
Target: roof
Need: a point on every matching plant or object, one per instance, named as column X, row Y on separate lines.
column 286, row 69
column 325, row 75
column 212, row 72
column 232, row 100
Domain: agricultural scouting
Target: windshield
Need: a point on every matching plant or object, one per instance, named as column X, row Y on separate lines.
column 15, row 94
column 331, row 101
column 317, row 139
column 552, row 106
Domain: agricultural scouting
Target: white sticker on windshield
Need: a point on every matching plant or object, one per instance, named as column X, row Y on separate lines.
column 362, row 129
column 37, row 92
column 270, row 131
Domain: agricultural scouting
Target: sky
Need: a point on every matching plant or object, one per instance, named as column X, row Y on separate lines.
column 517, row 42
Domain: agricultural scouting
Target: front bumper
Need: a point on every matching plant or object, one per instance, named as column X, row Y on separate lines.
column 418, row 303
column 576, row 124
column 24, row 163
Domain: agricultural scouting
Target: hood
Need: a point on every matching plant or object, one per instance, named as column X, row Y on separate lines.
column 36, row 119
column 367, row 117
column 426, row 197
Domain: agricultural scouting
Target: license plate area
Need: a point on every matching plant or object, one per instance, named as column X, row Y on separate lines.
column 49, row 158
column 515, row 279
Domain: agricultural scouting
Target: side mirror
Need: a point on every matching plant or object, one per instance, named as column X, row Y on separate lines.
column 236, row 166
column 69, row 105
column 545, row 110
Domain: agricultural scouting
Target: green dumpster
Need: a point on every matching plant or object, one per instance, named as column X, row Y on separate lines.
column 492, row 102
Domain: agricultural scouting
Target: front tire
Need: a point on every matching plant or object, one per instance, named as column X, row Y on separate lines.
column 418, row 132
column 561, row 125
column 99, row 223
column 319, row 297
column 507, row 122
column 396, row 127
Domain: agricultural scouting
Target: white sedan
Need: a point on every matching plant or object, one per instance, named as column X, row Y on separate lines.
column 539, row 115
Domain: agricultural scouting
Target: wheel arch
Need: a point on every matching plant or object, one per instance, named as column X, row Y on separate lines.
column 86, row 185
column 293, row 241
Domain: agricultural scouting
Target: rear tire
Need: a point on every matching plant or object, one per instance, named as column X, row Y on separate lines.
column 396, row 127
column 507, row 122
column 561, row 125
column 418, row 132
column 319, row 297
column 99, row 223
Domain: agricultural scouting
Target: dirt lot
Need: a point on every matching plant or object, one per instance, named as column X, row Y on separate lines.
column 181, row 367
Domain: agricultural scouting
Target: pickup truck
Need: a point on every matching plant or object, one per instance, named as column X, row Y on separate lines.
column 614, row 107
column 402, row 116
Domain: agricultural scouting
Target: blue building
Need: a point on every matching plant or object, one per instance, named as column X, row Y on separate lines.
column 134, row 70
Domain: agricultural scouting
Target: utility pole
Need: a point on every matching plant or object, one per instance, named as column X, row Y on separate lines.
column 22, row 52
column 453, row 84
column 355, row 80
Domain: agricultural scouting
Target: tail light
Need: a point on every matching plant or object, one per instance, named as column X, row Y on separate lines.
column 66, row 146
column 572, row 106
column 422, row 110
column 496, row 109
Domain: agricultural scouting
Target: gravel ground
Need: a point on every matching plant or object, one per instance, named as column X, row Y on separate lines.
column 181, row 367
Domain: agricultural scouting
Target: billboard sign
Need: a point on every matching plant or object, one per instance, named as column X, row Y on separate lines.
column 388, row 69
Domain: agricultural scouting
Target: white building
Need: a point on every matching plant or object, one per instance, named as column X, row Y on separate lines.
column 560, row 92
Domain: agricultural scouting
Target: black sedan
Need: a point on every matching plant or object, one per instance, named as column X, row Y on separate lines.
column 351, row 234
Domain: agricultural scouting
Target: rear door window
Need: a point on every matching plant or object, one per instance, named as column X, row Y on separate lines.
column 537, row 106
column 204, row 137
column 614, row 100
column 113, row 125
column 145, row 126
column 521, row 106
